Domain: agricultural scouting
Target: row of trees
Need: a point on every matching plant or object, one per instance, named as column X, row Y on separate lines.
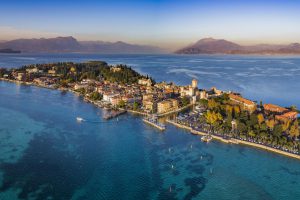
column 230, row 119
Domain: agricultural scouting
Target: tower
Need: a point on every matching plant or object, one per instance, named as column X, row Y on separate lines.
column 194, row 83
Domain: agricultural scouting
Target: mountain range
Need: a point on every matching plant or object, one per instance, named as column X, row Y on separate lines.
column 221, row 46
column 203, row 46
column 70, row 44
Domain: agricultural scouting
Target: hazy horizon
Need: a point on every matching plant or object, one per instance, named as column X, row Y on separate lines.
column 164, row 23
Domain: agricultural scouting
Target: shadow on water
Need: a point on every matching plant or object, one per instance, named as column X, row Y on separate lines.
column 47, row 171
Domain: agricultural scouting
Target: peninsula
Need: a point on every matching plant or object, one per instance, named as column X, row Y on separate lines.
column 222, row 115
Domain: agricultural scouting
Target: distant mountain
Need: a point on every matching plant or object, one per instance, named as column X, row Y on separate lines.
column 215, row 46
column 117, row 47
column 9, row 51
column 59, row 44
column 70, row 44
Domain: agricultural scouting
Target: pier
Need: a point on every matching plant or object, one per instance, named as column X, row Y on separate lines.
column 155, row 123
column 113, row 114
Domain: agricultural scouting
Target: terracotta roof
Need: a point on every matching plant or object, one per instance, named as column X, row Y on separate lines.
column 241, row 99
column 274, row 108
column 288, row 115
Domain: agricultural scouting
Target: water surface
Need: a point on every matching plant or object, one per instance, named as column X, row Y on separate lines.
column 46, row 154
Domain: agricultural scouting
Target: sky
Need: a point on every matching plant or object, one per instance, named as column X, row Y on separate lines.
column 165, row 23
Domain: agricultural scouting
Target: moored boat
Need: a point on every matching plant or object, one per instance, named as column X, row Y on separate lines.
column 206, row 138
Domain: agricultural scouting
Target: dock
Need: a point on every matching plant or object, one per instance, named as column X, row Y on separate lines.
column 113, row 114
column 155, row 124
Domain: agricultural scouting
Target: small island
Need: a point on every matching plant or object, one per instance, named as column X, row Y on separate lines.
column 212, row 113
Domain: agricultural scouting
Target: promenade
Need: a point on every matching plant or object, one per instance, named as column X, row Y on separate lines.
column 235, row 141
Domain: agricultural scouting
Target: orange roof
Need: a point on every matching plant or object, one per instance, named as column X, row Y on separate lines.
column 288, row 115
column 274, row 108
column 241, row 99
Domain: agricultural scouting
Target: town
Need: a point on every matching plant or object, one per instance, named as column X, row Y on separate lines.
column 213, row 113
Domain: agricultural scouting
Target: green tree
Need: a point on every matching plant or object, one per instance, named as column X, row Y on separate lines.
column 185, row 101
column 96, row 96
column 277, row 131
column 135, row 105
column 294, row 130
column 121, row 104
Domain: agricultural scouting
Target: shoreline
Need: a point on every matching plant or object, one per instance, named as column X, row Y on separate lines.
column 236, row 141
column 195, row 132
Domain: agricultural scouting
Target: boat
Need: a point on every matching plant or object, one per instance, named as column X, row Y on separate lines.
column 79, row 119
column 206, row 138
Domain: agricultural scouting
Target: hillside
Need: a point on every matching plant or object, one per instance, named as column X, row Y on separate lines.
column 215, row 46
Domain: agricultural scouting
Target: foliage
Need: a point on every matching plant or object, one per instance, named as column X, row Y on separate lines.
column 121, row 104
column 185, row 101
column 96, row 96
column 135, row 105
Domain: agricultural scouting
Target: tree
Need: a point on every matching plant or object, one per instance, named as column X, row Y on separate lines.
column 270, row 123
column 96, row 96
column 121, row 104
column 185, row 101
column 212, row 117
column 242, row 128
column 203, row 102
column 294, row 130
column 212, row 104
column 135, row 105
column 251, row 133
column 277, row 130
column 260, row 118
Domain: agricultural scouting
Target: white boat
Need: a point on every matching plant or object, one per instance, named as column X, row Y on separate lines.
column 206, row 138
column 79, row 119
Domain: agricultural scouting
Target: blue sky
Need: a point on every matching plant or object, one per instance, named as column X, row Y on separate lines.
column 159, row 22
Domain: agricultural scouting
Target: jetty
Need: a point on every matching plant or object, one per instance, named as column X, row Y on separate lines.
column 113, row 114
column 153, row 122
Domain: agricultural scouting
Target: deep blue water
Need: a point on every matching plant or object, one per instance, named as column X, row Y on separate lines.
column 268, row 78
column 46, row 154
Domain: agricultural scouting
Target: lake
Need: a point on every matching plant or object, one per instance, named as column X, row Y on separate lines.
column 46, row 154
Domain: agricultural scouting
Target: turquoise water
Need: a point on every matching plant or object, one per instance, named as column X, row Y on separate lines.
column 46, row 154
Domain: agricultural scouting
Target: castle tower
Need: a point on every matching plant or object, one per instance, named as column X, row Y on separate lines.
column 194, row 83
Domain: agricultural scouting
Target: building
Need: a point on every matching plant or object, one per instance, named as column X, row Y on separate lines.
column 32, row 70
column 203, row 94
column 245, row 103
column 190, row 90
column 167, row 105
column 289, row 115
column 274, row 108
column 52, row 72
column 115, row 100
column 150, row 106
column 78, row 86
column 194, row 83
column 144, row 81
column 115, row 69
column 147, row 97
column 109, row 96
column 21, row 76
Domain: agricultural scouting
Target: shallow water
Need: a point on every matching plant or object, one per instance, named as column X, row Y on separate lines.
column 45, row 153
